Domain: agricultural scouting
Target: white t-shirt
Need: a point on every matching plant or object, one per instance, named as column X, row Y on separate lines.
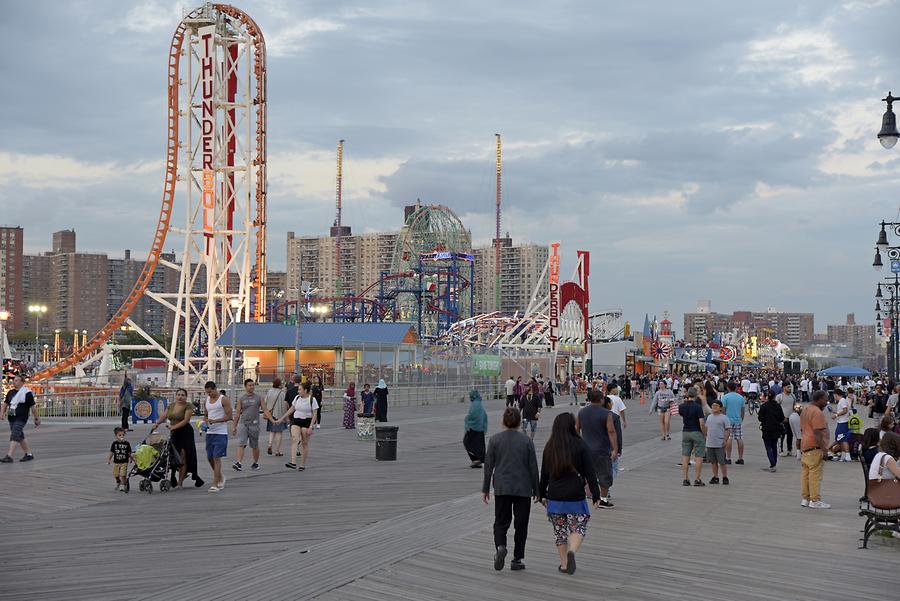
column 510, row 387
column 752, row 387
column 804, row 385
column 876, row 467
column 843, row 404
column 745, row 385
column 304, row 407
column 617, row 405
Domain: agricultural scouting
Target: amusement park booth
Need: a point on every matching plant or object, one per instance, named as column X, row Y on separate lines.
column 338, row 352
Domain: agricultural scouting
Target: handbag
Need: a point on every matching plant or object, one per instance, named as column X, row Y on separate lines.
column 884, row 494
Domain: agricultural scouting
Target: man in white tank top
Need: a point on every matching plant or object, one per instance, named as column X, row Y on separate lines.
column 216, row 417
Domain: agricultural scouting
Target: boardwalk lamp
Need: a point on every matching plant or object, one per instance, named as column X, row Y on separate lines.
column 888, row 134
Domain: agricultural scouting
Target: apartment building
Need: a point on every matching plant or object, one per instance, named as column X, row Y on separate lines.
column 520, row 271
column 11, row 277
column 793, row 329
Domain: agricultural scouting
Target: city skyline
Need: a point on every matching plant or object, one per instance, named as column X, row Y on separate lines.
column 717, row 168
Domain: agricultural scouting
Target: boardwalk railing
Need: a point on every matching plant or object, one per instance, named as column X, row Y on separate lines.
column 105, row 403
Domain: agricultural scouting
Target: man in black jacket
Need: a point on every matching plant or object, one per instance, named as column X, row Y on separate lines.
column 771, row 420
column 511, row 462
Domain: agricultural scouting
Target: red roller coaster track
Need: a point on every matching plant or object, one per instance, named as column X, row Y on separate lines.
column 171, row 177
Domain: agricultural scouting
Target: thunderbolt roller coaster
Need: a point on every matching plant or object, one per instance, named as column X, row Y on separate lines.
column 215, row 173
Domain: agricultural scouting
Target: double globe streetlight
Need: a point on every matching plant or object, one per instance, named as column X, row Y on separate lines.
column 888, row 136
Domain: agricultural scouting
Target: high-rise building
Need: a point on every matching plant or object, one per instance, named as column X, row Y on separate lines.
column 793, row 329
column 520, row 268
column 860, row 336
column 312, row 259
column 72, row 285
column 149, row 315
column 63, row 242
column 276, row 285
column 11, row 277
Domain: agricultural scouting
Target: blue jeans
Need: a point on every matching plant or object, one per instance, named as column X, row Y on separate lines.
column 771, row 443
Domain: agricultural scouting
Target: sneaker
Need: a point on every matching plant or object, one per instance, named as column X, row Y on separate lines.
column 685, row 482
column 27, row 457
column 318, row 426
column 214, row 489
column 516, row 565
column 804, row 503
column 699, row 483
column 290, row 466
column 499, row 558
column 6, row 459
column 819, row 505
column 725, row 481
column 237, row 466
column 255, row 467
column 126, row 487
column 714, row 480
column 198, row 482
column 739, row 462
column 785, row 454
column 728, row 462
column 606, row 503
column 269, row 450
column 772, row 469
column 118, row 487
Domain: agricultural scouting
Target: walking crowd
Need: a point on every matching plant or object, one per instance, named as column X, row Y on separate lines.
column 582, row 451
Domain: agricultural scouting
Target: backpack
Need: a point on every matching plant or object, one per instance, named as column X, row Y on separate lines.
column 855, row 422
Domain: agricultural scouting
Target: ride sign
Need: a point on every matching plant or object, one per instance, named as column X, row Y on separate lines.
column 553, row 312
column 207, row 52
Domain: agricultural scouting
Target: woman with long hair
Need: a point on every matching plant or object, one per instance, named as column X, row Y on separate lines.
column 350, row 407
column 275, row 404
column 566, row 468
column 662, row 402
column 302, row 414
column 181, row 434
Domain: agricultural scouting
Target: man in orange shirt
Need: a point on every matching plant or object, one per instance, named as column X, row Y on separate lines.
column 813, row 447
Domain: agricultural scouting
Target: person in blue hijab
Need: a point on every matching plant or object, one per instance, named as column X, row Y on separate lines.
column 475, row 427
column 381, row 402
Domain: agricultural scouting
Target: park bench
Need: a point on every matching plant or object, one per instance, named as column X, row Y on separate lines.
column 876, row 519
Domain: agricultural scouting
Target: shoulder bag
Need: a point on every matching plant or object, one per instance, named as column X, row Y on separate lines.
column 884, row 493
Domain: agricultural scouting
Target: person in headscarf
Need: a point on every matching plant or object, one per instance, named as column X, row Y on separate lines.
column 350, row 406
column 475, row 427
column 381, row 403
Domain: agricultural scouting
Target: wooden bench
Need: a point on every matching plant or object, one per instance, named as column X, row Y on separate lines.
column 876, row 519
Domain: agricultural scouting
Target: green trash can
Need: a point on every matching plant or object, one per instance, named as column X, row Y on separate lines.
column 386, row 443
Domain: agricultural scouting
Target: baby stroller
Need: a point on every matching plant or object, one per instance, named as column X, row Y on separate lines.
column 154, row 459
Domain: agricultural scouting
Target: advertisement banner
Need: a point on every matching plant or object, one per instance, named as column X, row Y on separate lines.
column 486, row 365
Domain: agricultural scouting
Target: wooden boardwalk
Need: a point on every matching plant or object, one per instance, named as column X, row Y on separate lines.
column 351, row 528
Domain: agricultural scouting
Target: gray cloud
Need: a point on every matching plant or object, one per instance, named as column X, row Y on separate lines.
column 691, row 146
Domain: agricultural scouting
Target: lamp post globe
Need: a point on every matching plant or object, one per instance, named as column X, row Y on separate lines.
column 888, row 135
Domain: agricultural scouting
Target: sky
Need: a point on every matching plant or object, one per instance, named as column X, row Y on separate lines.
column 699, row 150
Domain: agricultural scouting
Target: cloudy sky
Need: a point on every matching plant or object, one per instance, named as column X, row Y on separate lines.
column 699, row 150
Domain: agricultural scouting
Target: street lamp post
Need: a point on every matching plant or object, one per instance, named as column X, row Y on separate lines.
column 38, row 310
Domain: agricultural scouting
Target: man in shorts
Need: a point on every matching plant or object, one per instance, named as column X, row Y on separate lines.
column 718, row 431
column 216, row 416
column 734, row 404
column 692, row 436
column 16, row 406
column 598, row 430
column 246, row 424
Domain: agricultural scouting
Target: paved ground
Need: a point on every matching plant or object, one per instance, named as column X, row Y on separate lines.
column 351, row 528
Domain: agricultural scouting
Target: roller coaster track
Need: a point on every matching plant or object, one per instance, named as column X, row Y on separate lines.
column 168, row 198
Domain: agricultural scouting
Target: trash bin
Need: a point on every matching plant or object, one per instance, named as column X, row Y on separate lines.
column 386, row 443
column 365, row 426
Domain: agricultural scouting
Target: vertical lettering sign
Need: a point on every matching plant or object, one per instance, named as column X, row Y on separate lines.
column 208, row 127
column 554, row 296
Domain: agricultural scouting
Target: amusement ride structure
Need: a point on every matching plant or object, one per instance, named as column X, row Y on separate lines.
column 216, row 176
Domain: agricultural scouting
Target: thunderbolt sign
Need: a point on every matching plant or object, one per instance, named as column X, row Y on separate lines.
column 208, row 126
column 554, row 296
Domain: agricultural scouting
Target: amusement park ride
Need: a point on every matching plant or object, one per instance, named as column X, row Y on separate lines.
column 216, row 179
column 216, row 176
